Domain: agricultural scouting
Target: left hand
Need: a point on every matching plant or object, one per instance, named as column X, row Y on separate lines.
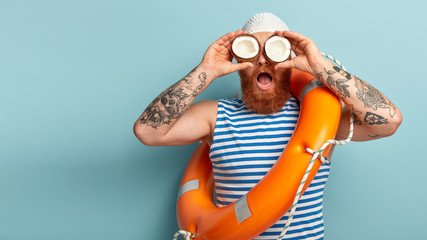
column 308, row 57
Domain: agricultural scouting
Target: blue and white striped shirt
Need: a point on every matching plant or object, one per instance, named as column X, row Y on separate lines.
column 245, row 146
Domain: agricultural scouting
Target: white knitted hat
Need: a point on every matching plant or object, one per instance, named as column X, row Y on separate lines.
column 265, row 22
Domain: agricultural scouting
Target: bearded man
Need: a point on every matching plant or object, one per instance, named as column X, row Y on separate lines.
column 247, row 134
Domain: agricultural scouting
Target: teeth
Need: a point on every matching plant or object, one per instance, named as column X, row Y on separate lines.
column 265, row 84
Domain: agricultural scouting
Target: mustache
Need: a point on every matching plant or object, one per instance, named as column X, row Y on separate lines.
column 257, row 71
column 266, row 69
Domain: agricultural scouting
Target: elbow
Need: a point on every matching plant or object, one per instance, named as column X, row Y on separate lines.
column 393, row 124
column 142, row 134
column 149, row 135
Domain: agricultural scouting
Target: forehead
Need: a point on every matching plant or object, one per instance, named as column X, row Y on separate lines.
column 262, row 36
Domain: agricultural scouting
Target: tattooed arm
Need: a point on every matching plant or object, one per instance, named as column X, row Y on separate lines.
column 376, row 116
column 172, row 118
column 159, row 125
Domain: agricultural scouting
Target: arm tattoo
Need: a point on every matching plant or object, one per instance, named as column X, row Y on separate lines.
column 342, row 72
column 374, row 136
column 357, row 120
column 354, row 113
column 174, row 101
column 353, row 110
column 368, row 95
column 372, row 98
column 372, row 119
column 339, row 84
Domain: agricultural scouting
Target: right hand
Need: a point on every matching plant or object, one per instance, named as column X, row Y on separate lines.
column 218, row 58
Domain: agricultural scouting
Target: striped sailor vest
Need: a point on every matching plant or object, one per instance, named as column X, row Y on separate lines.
column 245, row 146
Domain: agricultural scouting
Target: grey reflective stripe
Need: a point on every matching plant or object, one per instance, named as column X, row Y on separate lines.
column 190, row 185
column 242, row 209
column 310, row 86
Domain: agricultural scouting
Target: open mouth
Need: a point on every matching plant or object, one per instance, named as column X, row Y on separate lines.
column 264, row 81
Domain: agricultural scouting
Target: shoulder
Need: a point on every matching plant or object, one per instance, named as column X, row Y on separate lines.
column 205, row 106
column 205, row 110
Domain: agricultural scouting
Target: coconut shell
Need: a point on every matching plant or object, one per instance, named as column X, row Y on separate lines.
column 240, row 59
column 265, row 53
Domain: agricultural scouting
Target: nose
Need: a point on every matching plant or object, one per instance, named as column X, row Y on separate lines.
column 262, row 60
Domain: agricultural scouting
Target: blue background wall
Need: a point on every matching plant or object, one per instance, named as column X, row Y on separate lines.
column 75, row 75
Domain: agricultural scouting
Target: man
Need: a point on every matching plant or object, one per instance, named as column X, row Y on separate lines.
column 247, row 134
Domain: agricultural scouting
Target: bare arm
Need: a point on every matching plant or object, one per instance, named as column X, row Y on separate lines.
column 376, row 116
column 172, row 118
column 155, row 124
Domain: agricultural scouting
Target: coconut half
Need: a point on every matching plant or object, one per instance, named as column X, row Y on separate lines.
column 245, row 48
column 277, row 49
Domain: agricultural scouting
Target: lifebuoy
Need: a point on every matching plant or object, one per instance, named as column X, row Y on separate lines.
column 272, row 197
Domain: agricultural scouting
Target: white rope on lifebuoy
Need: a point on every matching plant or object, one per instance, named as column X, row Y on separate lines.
column 316, row 154
column 334, row 60
column 185, row 234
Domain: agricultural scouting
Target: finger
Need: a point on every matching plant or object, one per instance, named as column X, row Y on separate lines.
column 294, row 36
column 280, row 33
column 223, row 50
column 228, row 38
column 224, row 38
column 240, row 31
column 285, row 64
column 229, row 41
column 294, row 43
column 301, row 46
column 241, row 66
column 297, row 50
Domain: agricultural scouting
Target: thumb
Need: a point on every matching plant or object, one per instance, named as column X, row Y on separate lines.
column 285, row 64
column 241, row 66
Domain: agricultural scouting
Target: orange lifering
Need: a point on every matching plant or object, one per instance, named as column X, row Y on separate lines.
column 272, row 197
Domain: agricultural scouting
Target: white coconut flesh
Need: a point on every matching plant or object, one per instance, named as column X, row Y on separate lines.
column 277, row 48
column 245, row 47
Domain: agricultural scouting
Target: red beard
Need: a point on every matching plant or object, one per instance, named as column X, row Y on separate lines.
column 265, row 102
